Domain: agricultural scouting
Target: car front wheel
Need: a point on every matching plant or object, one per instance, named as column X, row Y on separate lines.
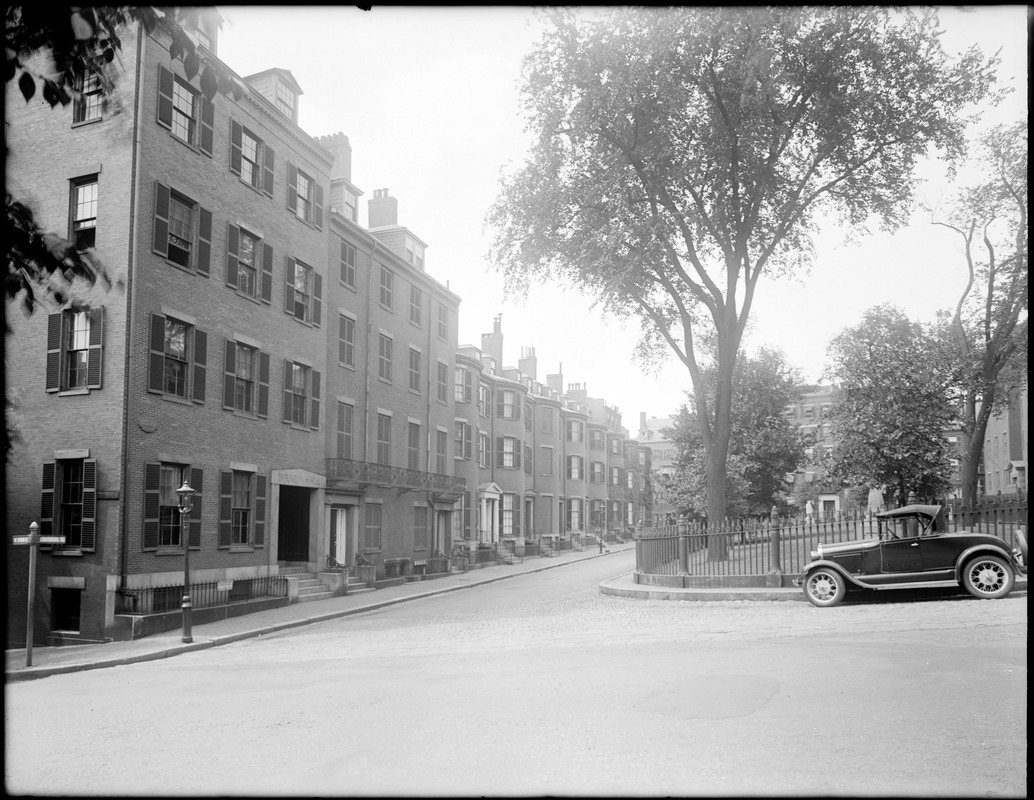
column 988, row 577
column 824, row 588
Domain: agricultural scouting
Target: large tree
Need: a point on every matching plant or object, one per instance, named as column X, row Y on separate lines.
column 763, row 446
column 893, row 403
column 681, row 154
column 989, row 325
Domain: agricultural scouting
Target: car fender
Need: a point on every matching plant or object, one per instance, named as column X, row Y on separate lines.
column 834, row 566
column 977, row 549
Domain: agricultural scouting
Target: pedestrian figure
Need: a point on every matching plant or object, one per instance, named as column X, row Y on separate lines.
column 601, row 542
column 808, row 511
column 875, row 501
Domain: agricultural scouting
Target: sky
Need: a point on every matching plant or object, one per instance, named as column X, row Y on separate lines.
column 429, row 100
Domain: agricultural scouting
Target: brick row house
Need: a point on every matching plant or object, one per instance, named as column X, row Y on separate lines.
column 301, row 372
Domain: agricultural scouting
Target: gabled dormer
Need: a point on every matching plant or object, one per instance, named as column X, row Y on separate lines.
column 280, row 88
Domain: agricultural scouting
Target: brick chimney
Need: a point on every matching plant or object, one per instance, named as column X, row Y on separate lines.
column 492, row 343
column 383, row 209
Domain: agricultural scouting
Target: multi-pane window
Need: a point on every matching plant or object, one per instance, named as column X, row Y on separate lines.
column 443, row 323
column 373, row 527
column 170, row 522
column 483, row 402
column 528, row 459
column 348, row 257
column 464, row 385
column 419, row 527
column 301, row 394
column 240, row 509
column 247, row 264
column 74, row 350
column 509, row 455
column 597, row 474
column 527, row 417
column 251, row 167
column 244, row 378
column 303, row 294
column 416, row 300
column 182, row 230
column 296, row 388
column 345, row 422
column 89, row 100
column 414, row 370
column 69, row 501
column 574, row 468
column 441, row 451
column 184, row 112
column 597, row 440
column 304, row 197
column 384, row 357
column 414, row 445
column 509, row 405
column 482, row 449
column 443, row 382
column 285, row 100
column 84, row 212
column 506, row 509
column 351, row 200
column 346, row 341
column 547, row 419
column 615, row 447
column 178, row 362
column 574, row 430
column 462, row 440
column 383, row 439
column 615, row 476
column 387, row 288
column 414, row 252
column 574, row 514
column 630, row 479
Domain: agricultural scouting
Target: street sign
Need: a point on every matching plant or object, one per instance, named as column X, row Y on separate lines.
column 21, row 539
column 224, row 586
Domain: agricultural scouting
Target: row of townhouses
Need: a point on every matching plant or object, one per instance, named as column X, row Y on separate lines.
column 301, row 372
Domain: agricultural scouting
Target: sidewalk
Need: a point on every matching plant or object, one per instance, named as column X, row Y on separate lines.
column 73, row 658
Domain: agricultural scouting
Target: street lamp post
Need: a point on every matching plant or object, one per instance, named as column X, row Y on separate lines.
column 186, row 497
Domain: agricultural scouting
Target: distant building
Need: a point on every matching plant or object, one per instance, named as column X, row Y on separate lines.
column 1005, row 449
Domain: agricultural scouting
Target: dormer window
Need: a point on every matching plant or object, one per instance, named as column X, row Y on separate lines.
column 351, row 205
column 285, row 100
column 414, row 252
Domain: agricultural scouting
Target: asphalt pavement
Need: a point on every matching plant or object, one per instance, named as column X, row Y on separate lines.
column 48, row 661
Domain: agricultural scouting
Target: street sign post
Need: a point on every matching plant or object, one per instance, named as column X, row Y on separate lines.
column 33, row 540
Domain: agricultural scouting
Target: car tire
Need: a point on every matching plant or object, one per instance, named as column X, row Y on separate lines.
column 824, row 588
column 988, row 577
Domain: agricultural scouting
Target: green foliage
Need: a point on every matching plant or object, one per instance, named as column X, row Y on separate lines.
column 764, row 444
column 680, row 154
column 892, row 405
column 989, row 325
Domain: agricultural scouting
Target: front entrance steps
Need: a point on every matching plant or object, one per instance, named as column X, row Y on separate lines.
column 355, row 585
column 310, row 587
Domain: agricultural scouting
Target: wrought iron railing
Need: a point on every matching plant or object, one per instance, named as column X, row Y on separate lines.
column 160, row 599
column 348, row 470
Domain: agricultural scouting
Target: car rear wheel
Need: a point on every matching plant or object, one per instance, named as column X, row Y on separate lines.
column 824, row 587
column 988, row 577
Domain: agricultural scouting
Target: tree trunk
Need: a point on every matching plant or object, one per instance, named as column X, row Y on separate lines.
column 718, row 452
column 975, row 448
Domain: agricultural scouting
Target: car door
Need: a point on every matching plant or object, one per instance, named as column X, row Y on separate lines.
column 900, row 558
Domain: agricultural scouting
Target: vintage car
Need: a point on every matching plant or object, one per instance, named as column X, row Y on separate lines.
column 910, row 552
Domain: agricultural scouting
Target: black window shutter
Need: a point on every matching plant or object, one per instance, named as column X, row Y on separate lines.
column 317, row 297
column 156, row 372
column 499, row 451
column 54, row 351
column 317, row 207
column 197, row 484
column 292, row 188
column 267, row 273
column 236, row 140
column 229, row 372
column 260, row 511
column 466, row 513
column 516, row 406
column 268, row 161
column 232, row 251
column 287, row 392
column 164, row 97
column 95, row 362
column 204, row 246
column 160, row 241
column 263, row 387
column 516, row 455
column 89, row 518
column 314, row 419
column 499, row 405
column 467, row 440
column 207, row 125
column 289, row 286
column 200, row 364
column 152, row 486
column 516, row 515
column 46, row 512
column 225, row 508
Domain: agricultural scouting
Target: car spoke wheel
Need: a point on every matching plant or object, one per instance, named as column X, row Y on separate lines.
column 824, row 588
column 988, row 577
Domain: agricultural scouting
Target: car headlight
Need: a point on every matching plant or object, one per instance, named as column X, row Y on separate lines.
column 815, row 554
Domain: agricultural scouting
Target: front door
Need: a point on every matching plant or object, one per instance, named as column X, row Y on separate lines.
column 342, row 535
column 293, row 538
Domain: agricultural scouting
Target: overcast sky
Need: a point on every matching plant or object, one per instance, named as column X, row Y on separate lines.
column 428, row 98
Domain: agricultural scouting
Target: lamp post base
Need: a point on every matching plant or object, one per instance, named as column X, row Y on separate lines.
column 187, row 637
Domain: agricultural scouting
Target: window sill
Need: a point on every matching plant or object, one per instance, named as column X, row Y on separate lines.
column 251, row 297
column 349, row 286
column 372, row 550
column 343, row 365
column 85, row 122
column 173, row 551
column 73, row 392
column 72, row 552
column 172, row 398
column 241, row 548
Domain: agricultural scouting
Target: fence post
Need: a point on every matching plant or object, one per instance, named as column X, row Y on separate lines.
column 777, row 567
column 683, row 545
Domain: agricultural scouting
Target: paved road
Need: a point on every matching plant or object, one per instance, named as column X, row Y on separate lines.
column 543, row 686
